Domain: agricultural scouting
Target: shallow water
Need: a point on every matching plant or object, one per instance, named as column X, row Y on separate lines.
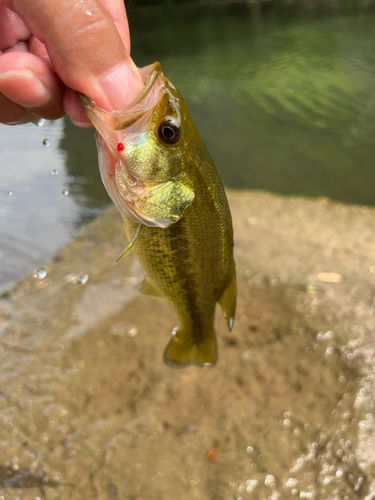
column 88, row 410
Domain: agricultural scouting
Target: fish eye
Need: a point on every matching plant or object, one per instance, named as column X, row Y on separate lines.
column 169, row 133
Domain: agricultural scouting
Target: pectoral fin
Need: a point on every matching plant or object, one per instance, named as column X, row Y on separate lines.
column 168, row 201
column 227, row 301
column 129, row 248
column 147, row 288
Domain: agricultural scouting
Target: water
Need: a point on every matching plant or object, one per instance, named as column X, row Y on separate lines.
column 40, row 273
column 40, row 210
column 89, row 410
column 283, row 99
column 290, row 95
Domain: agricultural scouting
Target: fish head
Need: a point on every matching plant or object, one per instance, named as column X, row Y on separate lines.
column 144, row 152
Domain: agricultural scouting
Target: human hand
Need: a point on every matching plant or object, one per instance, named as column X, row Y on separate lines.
column 50, row 49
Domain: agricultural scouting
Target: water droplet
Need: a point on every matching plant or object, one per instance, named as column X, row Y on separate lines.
column 46, row 143
column 80, row 278
column 40, row 273
column 249, row 449
column 39, row 122
column 54, row 172
column 65, row 192
column 10, row 193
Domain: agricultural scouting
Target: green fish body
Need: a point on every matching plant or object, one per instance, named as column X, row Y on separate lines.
column 175, row 212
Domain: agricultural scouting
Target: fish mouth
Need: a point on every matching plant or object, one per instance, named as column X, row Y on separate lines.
column 135, row 110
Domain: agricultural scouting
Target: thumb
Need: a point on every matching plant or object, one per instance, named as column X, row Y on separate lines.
column 84, row 47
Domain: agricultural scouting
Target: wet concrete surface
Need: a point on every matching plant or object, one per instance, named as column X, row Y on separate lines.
column 88, row 410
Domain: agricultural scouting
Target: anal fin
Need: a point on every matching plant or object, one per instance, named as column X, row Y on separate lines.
column 148, row 288
column 227, row 301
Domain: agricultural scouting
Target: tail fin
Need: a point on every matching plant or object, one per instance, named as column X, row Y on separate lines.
column 185, row 350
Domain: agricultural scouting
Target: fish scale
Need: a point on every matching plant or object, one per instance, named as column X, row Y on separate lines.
column 191, row 262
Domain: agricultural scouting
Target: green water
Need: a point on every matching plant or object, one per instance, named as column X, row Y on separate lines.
column 283, row 99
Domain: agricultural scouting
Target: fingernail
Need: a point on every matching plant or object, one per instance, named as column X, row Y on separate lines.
column 24, row 88
column 121, row 86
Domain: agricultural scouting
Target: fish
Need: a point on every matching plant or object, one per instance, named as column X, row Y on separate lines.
column 160, row 176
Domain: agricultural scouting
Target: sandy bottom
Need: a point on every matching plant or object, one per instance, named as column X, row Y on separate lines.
column 89, row 411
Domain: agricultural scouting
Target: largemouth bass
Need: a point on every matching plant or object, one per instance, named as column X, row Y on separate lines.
column 163, row 181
